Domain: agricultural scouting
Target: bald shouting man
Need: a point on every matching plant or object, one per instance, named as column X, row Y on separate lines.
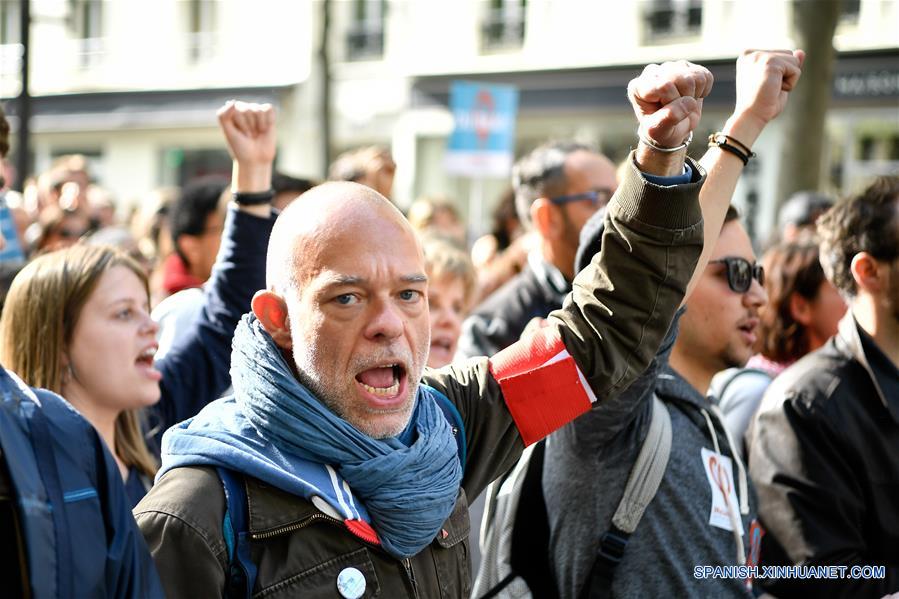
column 341, row 466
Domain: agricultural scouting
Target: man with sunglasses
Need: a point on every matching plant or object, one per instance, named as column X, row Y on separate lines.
column 558, row 187
column 719, row 328
column 824, row 448
column 703, row 511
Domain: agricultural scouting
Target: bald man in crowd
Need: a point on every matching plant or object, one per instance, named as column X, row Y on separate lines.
column 341, row 463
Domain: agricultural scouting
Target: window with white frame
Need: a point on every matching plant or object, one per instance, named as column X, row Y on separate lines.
column 11, row 49
column 87, row 23
column 672, row 19
column 201, row 16
column 9, row 22
column 849, row 10
column 365, row 33
column 503, row 24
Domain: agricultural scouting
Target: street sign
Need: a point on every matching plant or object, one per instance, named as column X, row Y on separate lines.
column 483, row 139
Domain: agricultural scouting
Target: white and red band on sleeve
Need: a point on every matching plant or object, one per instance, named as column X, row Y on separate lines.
column 543, row 387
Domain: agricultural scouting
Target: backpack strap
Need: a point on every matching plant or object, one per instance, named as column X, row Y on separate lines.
column 641, row 487
column 515, row 533
column 452, row 415
column 241, row 570
column 738, row 372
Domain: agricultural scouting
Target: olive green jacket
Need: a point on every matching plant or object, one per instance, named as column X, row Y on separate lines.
column 612, row 324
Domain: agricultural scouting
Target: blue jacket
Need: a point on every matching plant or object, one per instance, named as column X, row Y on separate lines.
column 80, row 537
column 196, row 370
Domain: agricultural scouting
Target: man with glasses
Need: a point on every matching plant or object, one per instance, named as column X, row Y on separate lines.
column 558, row 187
column 825, row 443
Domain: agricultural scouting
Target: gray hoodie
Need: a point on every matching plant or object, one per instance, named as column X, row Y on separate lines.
column 587, row 465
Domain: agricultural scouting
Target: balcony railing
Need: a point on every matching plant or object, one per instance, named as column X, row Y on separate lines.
column 90, row 52
column 365, row 40
column 672, row 23
column 201, row 46
column 502, row 29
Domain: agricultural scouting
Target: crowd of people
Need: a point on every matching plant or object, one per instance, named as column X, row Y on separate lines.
column 266, row 386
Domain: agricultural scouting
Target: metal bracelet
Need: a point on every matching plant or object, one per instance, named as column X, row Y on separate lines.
column 649, row 142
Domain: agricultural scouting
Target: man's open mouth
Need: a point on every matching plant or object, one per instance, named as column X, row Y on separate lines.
column 382, row 381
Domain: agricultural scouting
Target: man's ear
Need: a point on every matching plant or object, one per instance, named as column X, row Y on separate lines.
column 271, row 310
column 545, row 217
column 800, row 309
column 866, row 271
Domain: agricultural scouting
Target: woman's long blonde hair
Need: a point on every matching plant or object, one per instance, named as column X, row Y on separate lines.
column 43, row 305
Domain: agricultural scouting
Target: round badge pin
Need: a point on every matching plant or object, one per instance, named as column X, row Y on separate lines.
column 350, row 583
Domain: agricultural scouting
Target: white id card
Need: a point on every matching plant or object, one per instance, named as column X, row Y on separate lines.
column 720, row 472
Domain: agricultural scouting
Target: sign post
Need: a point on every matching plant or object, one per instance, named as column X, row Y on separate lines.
column 483, row 138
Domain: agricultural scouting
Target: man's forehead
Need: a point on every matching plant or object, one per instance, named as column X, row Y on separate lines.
column 733, row 243
column 590, row 166
column 360, row 259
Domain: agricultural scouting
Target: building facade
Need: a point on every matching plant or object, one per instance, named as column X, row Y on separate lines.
column 135, row 85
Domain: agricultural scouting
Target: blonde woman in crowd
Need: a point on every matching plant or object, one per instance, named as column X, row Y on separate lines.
column 452, row 283
column 77, row 321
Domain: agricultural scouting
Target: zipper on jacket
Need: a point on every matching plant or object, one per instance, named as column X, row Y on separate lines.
column 410, row 574
column 296, row 526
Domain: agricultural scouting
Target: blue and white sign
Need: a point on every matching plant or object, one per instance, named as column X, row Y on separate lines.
column 483, row 139
column 12, row 252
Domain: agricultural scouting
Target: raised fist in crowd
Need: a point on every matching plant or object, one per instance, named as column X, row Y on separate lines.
column 250, row 134
column 249, row 130
column 764, row 80
column 667, row 99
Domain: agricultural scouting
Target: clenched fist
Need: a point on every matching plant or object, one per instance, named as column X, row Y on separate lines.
column 667, row 100
column 249, row 130
column 764, row 80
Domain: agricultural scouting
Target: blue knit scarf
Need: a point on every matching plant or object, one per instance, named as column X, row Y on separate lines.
column 407, row 484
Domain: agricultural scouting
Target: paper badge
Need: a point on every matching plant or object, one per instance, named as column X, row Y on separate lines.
column 719, row 470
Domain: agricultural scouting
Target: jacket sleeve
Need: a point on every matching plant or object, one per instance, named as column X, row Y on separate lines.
column 196, row 370
column 811, row 501
column 621, row 306
column 611, row 326
column 187, row 543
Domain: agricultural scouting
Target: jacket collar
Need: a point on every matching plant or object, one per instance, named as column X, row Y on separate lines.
column 852, row 340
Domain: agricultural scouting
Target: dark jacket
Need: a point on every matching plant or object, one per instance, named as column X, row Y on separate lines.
column 77, row 532
column 656, row 236
column 824, row 455
column 196, row 370
column 500, row 319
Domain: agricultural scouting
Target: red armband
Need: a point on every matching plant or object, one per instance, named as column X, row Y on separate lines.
column 541, row 383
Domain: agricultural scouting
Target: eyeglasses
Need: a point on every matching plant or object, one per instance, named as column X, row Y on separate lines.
column 597, row 197
column 740, row 273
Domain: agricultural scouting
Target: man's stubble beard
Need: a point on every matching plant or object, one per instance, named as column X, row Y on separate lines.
column 307, row 361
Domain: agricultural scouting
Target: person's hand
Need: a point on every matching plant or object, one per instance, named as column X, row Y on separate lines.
column 764, row 80
column 249, row 131
column 667, row 100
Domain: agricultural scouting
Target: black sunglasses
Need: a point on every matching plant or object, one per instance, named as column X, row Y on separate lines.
column 740, row 273
column 597, row 197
